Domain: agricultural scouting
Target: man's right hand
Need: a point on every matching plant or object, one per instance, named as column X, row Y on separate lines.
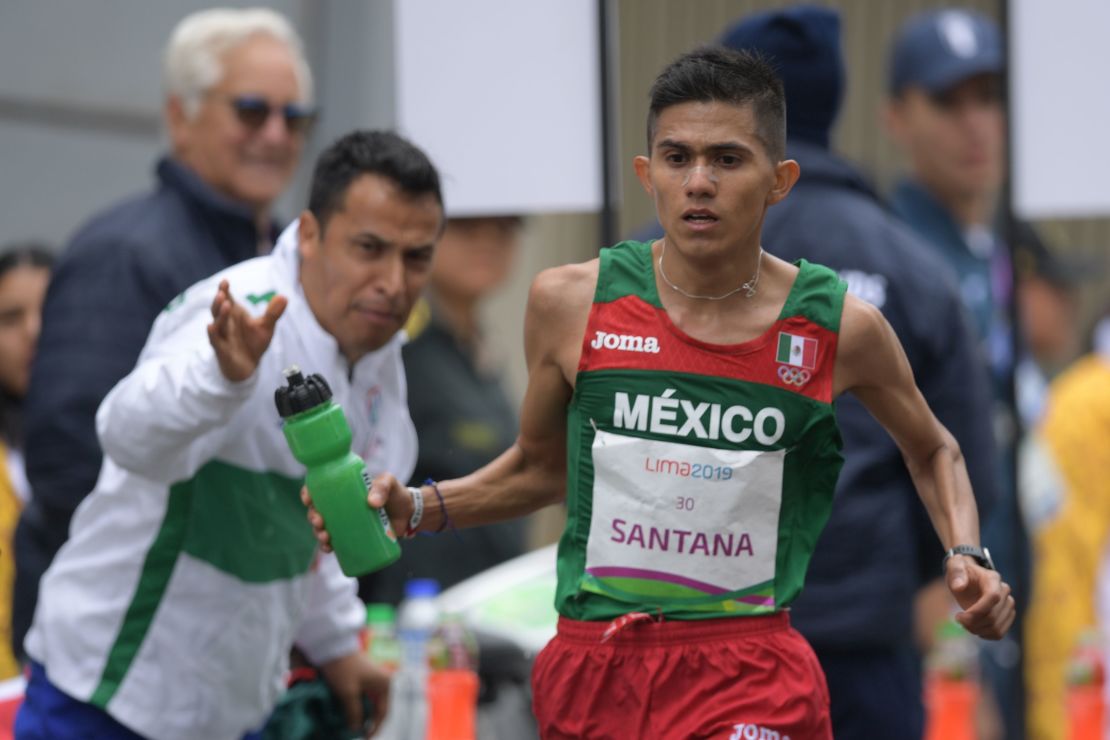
column 988, row 606
column 238, row 338
column 385, row 491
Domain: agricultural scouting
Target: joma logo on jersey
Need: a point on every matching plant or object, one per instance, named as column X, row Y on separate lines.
column 625, row 342
column 755, row 732
column 702, row 420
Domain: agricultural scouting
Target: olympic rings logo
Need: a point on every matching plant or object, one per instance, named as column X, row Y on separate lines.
column 794, row 375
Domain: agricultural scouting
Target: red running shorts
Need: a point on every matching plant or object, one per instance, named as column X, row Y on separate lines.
column 742, row 678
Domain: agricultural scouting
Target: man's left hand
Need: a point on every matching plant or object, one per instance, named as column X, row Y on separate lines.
column 988, row 607
column 239, row 339
column 351, row 677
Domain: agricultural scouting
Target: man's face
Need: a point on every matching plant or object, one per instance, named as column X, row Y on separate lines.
column 365, row 270
column 711, row 176
column 955, row 140
column 252, row 166
column 22, row 290
column 475, row 256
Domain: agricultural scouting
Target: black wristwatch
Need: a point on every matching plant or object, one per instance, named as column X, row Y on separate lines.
column 980, row 555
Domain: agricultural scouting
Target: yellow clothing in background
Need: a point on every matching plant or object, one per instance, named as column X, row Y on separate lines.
column 10, row 506
column 1069, row 550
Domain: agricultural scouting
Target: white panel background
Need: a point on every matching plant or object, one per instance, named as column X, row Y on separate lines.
column 1061, row 107
column 503, row 95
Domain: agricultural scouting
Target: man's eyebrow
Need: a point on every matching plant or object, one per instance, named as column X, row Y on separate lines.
column 723, row 146
column 369, row 237
column 729, row 146
column 672, row 144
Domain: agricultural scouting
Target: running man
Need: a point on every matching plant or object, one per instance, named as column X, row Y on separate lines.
column 680, row 401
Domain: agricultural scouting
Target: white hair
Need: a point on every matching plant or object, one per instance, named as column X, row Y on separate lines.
column 193, row 61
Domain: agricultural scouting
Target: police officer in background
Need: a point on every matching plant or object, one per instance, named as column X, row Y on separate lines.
column 946, row 112
column 878, row 550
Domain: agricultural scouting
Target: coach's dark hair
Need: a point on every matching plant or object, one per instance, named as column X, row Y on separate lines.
column 716, row 74
column 381, row 153
column 25, row 254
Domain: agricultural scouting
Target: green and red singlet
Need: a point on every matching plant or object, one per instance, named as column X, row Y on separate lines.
column 699, row 475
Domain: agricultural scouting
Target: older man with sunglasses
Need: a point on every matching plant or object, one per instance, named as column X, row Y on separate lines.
column 238, row 95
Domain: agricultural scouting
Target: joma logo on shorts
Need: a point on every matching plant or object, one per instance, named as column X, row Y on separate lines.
column 755, row 732
column 625, row 342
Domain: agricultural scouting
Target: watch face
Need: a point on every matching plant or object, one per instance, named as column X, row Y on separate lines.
column 988, row 562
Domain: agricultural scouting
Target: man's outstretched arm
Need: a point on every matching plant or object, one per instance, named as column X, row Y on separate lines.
column 872, row 366
column 531, row 474
column 194, row 389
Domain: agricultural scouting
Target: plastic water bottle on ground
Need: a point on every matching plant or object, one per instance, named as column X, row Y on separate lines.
column 453, row 684
column 1086, row 677
column 417, row 622
column 951, row 685
column 382, row 647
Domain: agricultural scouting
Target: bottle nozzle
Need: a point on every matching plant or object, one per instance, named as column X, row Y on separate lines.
column 301, row 393
column 293, row 375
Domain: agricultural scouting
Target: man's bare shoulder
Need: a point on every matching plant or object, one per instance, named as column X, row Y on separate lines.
column 566, row 289
column 558, row 310
column 860, row 323
column 865, row 345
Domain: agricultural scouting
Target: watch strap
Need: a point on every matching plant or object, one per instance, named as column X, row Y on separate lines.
column 980, row 555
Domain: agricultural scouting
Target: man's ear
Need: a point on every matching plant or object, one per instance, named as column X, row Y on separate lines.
column 642, row 165
column 892, row 119
column 786, row 174
column 308, row 235
column 176, row 122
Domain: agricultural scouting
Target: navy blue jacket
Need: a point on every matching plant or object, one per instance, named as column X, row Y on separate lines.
column 879, row 546
column 117, row 273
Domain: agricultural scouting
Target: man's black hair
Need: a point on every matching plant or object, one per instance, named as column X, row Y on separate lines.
column 381, row 153
column 716, row 74
column 25, row 254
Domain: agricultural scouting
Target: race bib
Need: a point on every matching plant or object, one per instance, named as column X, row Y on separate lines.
column 679, row 524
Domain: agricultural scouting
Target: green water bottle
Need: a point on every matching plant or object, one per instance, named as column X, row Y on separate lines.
column 319, row 437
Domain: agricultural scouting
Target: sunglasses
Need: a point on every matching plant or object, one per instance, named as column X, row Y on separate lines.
column 253, row 112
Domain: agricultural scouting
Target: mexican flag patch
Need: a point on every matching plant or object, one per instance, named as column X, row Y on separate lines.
column 797, row 351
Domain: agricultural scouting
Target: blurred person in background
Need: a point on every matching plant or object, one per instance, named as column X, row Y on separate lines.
column 878, row 548
column 1047, row 294
column 1048, row 303
column 1071, row 539
column 191, row 571
column 946, row 112
column 1065, row 406
column 457, row 399
column 24, row 275
column 238, row 96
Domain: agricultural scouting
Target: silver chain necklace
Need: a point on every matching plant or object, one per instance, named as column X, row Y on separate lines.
column 748, row 287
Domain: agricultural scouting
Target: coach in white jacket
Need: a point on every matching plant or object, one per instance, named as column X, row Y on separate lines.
column 191, row 569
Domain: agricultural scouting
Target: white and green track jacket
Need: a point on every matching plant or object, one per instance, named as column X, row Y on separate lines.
column 191, row 568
